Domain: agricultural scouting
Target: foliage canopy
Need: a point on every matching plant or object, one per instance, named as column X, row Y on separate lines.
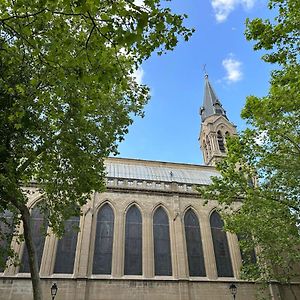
column 67, row 94
column 262, row 167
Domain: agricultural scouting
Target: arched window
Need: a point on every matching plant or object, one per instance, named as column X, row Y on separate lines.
column 133, row 242
column 208, row 147
column 6, row 233
column 194, row 244
column 39, row 228
column 208, row 144
column 248, row 255
column 104, row 241
column 220, row 139
column 66, row 247
column 223, row 260
column 162, row 250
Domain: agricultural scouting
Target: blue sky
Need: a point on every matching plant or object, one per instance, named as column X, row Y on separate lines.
column 170, row 129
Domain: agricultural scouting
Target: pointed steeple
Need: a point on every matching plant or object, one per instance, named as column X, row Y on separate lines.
column 215, row 126
column 211, row 104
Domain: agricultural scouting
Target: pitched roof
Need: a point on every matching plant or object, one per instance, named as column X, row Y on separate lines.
column 136, row 169
column 211, row 104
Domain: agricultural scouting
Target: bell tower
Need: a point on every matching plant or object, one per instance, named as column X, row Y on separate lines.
column 215, row 126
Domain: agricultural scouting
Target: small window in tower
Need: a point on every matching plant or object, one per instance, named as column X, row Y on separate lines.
column 220, row 139
column 208, row 143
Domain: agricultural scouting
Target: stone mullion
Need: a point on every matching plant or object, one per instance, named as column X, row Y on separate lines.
column 179, row 241
column 118, row 246
column 148, row 257
column 208, row 249
column 49, row 253
column 173, row 244
column 235, row 254
column 81, row 262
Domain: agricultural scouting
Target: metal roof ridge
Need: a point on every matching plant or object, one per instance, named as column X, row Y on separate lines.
column 139, row 161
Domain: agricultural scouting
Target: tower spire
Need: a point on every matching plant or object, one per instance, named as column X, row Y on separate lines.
column 211, row 104
column 215, row 126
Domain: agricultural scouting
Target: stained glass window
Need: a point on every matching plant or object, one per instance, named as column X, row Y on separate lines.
column 104, row 241
column 248, row 255
column 194, row 244
column 39, row 227
column 223, row 260
column 66, row 247
column 133, row 242
column 162, row 251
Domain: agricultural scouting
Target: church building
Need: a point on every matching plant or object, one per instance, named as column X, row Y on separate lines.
column 149, row 236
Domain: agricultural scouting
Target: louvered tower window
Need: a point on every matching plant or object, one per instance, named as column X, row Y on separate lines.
column 162, row 250
column 194, row 244
column 221, row 249
column 39, row 228
column 220, row 139
column 66, row 247
column 104, row 241
column 133, row 242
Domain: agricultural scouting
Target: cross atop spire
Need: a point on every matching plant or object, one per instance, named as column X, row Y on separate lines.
column 211, row 104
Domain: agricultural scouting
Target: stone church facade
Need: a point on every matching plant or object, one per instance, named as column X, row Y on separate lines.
column 148, row 236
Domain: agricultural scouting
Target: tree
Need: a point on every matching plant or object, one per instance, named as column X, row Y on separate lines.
column 68, row 96
column 262, row 167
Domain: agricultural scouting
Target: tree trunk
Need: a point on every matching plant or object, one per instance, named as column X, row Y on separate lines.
column 33, row 264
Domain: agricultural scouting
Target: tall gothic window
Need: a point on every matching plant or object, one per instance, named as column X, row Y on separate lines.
column 66, row 247
column 6, row 231
column 162, row 250
column 194, row 244
column 39, row 228
column 223, row 260
column 133, row 242
column 248, row 255
column 104, row 241
column 220, row 139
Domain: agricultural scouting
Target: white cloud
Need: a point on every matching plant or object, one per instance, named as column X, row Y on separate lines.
column 138, row 75
column 261, row 138
column 139, row 2
column 233, row 69
column 223, row 8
